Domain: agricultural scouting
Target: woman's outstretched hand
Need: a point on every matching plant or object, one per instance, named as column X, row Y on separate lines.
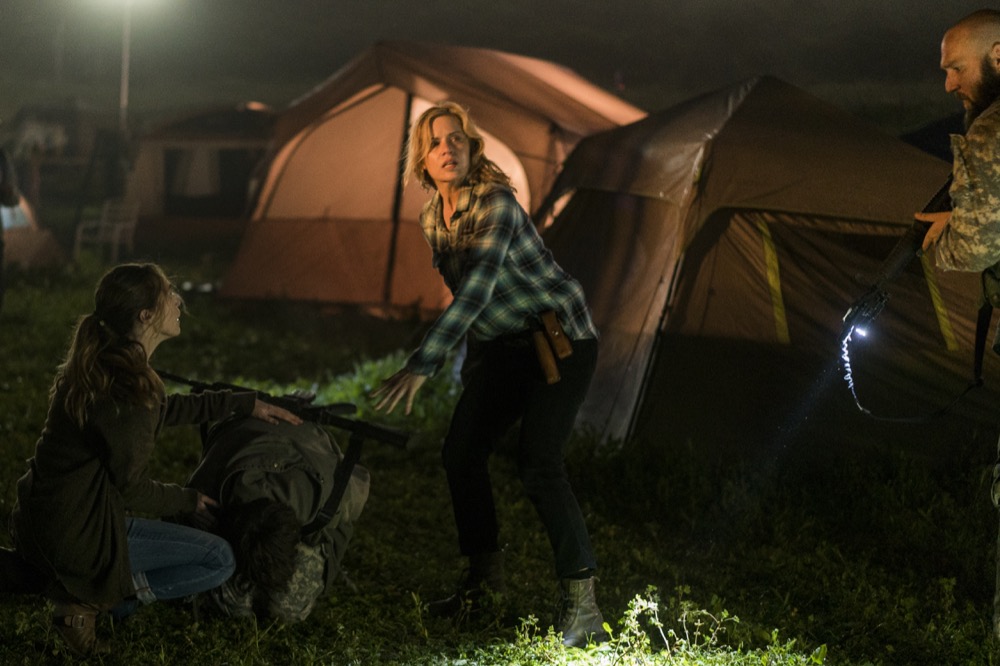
column 403, row 384
column 265, row 411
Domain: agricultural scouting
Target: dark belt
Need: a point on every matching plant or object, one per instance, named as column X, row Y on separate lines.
column 518, row 340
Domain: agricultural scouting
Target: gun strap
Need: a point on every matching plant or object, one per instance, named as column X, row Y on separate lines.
column 982, row 328
column 341, row 477
column 983, row 319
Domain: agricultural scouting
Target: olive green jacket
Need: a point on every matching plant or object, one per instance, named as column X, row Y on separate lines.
column 247, row 459
column 69, row 519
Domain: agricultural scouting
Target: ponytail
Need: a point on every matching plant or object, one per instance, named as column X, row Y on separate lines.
column 104, row 360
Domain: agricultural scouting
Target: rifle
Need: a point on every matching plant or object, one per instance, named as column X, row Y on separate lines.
column 300, row 404
column 864, row 310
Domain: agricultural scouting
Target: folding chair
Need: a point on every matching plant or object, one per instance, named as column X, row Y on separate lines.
column 114, row 228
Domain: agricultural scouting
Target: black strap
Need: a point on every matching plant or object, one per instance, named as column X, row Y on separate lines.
column 341, row 477
column 360, row 431
column 983, row 319
column 867, row 308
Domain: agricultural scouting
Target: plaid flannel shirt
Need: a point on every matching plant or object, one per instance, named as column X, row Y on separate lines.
column 498, row 270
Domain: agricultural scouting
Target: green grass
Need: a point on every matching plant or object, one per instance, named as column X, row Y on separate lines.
column 883, row 558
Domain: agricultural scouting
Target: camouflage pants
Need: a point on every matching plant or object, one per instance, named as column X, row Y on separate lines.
column 238, row 598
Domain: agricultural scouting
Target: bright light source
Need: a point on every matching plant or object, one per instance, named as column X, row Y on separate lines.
column 862, row 331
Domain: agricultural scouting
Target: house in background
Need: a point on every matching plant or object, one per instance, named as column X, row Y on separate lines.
column 192, row 176
column 64, row 131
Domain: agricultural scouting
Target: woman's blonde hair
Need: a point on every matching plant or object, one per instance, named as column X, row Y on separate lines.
column 481, row 168
column 103, row 359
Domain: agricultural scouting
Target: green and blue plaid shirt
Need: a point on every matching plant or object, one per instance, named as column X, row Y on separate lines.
column 498, row 270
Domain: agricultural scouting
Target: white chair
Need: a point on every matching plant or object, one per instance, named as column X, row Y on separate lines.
column 114, row 228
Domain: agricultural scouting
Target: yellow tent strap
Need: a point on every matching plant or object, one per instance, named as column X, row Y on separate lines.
column 774, row 283
column 944, row 322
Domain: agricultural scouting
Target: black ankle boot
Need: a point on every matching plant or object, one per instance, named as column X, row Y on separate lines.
column 483, row 580
column 581, row 620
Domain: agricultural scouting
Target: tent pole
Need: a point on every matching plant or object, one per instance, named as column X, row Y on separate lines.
column 397, row 205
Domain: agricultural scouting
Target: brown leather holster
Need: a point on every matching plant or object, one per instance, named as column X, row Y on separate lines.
column 550, row 343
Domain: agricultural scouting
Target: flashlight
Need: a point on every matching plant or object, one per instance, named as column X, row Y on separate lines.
column 864, row 311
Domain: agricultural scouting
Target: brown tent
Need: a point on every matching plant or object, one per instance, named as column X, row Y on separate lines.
column 720, row 243
column 333, row 221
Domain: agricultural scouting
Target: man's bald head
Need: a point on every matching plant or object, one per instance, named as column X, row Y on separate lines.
column 982, row 28
column 970, row 57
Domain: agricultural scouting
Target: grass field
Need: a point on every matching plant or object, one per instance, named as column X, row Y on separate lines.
column 882, row 559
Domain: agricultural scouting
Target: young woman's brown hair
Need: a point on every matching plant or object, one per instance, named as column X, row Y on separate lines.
column 105, row 356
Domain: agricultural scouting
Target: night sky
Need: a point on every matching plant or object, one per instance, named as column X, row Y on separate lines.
column 875, row 57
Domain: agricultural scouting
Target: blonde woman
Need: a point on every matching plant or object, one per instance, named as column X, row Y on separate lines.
column 503, row 278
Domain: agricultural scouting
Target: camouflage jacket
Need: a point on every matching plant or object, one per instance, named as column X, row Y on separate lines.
column 971, row 241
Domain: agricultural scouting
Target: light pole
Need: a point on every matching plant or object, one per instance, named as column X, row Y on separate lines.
column 126, row 48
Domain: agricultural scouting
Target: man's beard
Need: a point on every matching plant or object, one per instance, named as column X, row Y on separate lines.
column 987, row 92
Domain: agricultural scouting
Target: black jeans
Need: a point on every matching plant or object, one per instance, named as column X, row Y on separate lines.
column 504, row 384
column 1, row 270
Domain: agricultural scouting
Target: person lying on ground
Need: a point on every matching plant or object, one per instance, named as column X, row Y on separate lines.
column 273, row 482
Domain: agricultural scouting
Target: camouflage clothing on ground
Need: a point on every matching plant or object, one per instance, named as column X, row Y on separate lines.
column 249, row 459
column 298, row 599
column 971, row 241
column 235, row 597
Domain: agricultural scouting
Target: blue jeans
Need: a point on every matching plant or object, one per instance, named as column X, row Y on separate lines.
column 504, row 384
column 171, row 561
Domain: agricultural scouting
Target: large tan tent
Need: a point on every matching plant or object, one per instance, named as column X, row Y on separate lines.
column 720, row 243
column 333, row 220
